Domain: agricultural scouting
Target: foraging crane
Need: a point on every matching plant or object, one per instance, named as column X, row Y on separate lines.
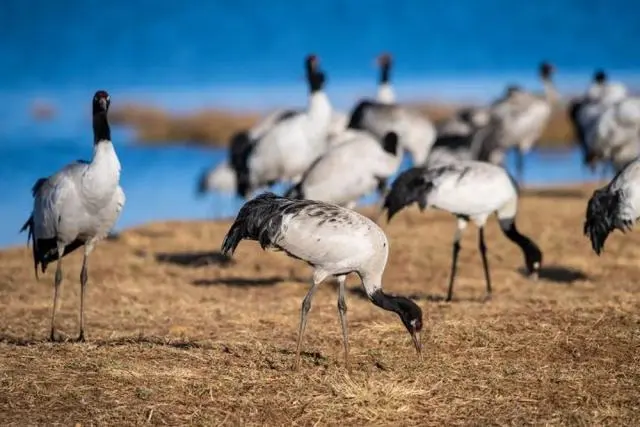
column 350, row 171
column 471, row 191
column 614, row 206
column 335, row 241
column 386, row 94
column 518, row 120
column 77, row 206
column 288, row 147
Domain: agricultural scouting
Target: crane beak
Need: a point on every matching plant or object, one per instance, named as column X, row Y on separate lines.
column 415, row 335
column 103, row 103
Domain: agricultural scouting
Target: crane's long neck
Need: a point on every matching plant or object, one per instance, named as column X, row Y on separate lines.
column 529, row 249
column 319, row 111
column 105, row 163
column 372, row 284
column 385, row 90
column 101, row 129
column 550, row 93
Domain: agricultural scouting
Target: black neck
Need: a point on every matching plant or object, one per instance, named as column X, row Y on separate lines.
column 316, row 81
column 101, row 130
column 387, row 302
column 529, row 248
column 385, row 73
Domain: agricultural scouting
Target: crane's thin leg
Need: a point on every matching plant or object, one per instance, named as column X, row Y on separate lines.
column 57, row 283
column 462, row 224
column 84, row 275
column 306, row 306
column 342, row 310
column 485, row 263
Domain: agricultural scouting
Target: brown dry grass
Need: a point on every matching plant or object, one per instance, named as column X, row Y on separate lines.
column 154, row 126
column 176, row 337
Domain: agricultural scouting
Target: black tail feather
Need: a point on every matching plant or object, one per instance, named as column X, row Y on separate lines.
column 45, row 251
column 410, row 187
column 603, row 217
column 259, row 219
column 240, row 149
column 28, row 226
column 357, row 114
column 573, row 110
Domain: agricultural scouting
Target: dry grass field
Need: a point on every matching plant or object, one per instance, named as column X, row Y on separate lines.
column 153, row 126
column 177, row 335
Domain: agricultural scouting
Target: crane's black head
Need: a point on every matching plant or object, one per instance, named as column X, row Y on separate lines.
column 531, row 251
column 101, row 102
column 546, row 70
column 599, row 77
column 409, row 312
column 384, row 59
column 384, row 62
column 408, row 188
column 532, row 259
column 411, row 316
column 315, row 77
column 311, row 64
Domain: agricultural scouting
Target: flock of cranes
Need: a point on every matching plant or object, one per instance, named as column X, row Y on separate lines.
column 332, row 160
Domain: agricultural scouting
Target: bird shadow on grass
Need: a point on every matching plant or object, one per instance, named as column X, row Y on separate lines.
column 246, row 281
column 16, row 341
column 194, row 259
column 558, row 274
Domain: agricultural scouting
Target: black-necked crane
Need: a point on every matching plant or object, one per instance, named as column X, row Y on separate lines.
column 285, row 150
column 471, row 191
column 335, row 241
column 518, row 120
column 77, row 207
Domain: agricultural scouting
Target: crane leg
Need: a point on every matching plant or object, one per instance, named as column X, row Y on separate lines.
column 462, row 224
column 306, row 306
column 485, row 263
column 84, row 275
column 57, row 284
column 342, row 310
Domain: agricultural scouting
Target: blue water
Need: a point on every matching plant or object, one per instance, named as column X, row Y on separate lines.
column 247, row 55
